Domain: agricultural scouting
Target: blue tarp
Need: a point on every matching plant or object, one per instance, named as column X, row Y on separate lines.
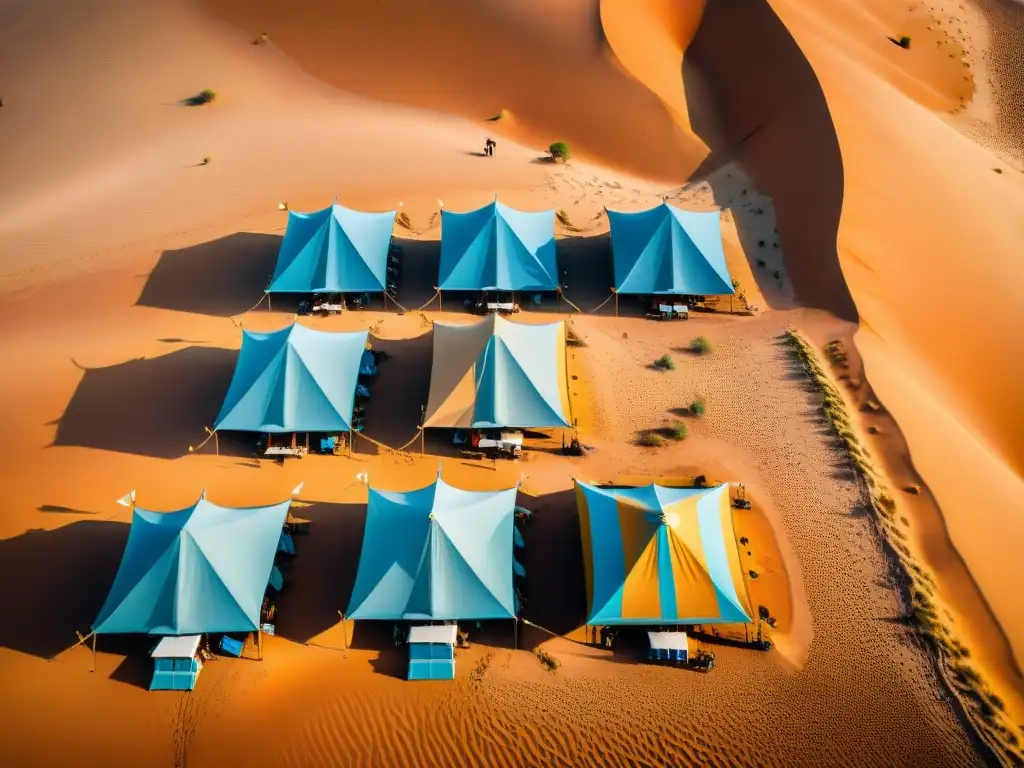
column 294, row 380
column 666, row 250
column 335, row 250
column 497, row 248
column 200, row 569
column 436, row 553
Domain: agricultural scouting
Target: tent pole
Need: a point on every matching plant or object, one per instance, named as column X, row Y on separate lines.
column 344, row 632
column 307, row 442
column 93, row 651
column 269, row 308
column 515, row 632
column 351, row 439
column 259, row 643
column 385, row 301
column 216, row 442
column 616, row 303
column 423, row 441
column 440, row 302
column 730, row 304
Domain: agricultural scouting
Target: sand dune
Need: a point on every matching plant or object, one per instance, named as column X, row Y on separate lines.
column 859, row 204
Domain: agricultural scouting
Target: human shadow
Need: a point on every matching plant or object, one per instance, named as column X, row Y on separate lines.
column 554, row 593
column 753, row 97
column 323, row 571
column 58, row 581
column 420, row 269
column 223, row 277
column 150, row 406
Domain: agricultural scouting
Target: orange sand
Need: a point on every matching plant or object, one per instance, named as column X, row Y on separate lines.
column 856, row 163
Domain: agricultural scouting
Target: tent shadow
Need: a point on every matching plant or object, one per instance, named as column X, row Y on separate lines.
column 150, row 406
column 57, row 583
column 420, row 270
column 223, row 277
column 398, row 394
column 587, row 272
column 762, row 104
column 554, row 595
column 323, row 571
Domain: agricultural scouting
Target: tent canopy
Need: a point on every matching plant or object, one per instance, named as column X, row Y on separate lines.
column 666, row 250
column 200, row 569
column 657, row 555
column 497, row 248
column 335, row 250
column 498, row 373
column 436, row 553
column 294, row 380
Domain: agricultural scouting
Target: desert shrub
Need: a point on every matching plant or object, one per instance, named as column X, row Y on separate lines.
column 649, row 439
column 903, row 41
column 502, row 115
column 207, row 160
column 572, row 339
column 559, row 150
column 700, row 345
column 549, row 662
column 752, row 574
column 677, row 431
column 698, row 406
column 205, row 96
column 666, row 362
column 403, row 220
column 735, row 284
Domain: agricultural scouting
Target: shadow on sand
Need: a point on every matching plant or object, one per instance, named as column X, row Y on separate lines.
column 323, row 572
column 223, row 277
column 401, row 389
column 57, row 581
column 762, row 104
column 421, row 263
column 151, row 406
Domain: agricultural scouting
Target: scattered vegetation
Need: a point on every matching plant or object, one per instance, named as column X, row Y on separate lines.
column 836, row 353
column 563, row 219
column 549, row 662
column 700, row 345
column 203, row 97
column 262, row 39
column 698, row 406
column 207, row 160
column 403, row 220
column 753, row 574
column 972, row 691
column 903, row 41
column 559, row 150
column 650, row 439
column 502, row 115
column 666, row 363
column 677, row 431
column 997, row 170
column 572, row 339
column 744, row 540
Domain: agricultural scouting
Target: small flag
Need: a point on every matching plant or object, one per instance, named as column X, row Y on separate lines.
column 298, row 488
column 127, row 500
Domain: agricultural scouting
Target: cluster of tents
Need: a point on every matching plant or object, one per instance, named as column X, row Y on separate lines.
column 661, row 251
column 433, row 556
column 492, row 374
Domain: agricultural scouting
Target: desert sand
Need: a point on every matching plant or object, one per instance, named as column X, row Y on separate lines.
column 869, row 193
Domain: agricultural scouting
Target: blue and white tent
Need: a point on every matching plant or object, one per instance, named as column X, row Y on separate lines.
column 497, row 248
column 335, row 250
column 669, row 251
column 201, row 569
column 436, row 553
column 294, row 380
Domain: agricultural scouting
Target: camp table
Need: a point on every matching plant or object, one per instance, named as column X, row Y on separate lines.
column 283, row 451
column 329, row 308
column 502, row 306
column 682, row 310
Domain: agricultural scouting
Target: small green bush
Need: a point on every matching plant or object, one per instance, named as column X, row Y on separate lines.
column 650, row 439
column 203, row 97
column 698, row 406
column 559, row 150
column 207, row 160
column 903, row 42
column 700, row 345
column 502, row 115
column 666, row 362
column 677, row 431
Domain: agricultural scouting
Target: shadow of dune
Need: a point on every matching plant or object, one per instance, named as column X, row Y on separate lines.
column 752, row 96
column 421, row 264
column 223, row 277
column 151, row 406
column 555, row 595
column 57, row 581
column 323, row 570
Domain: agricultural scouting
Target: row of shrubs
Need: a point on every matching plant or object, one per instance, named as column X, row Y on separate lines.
column 980, row 702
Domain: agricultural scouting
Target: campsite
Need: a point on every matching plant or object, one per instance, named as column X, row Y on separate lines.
column 544, row 383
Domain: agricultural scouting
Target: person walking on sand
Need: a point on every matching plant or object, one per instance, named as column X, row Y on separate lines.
column 489, row 147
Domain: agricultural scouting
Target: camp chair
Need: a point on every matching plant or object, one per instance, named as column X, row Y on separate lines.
column 231, row 647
